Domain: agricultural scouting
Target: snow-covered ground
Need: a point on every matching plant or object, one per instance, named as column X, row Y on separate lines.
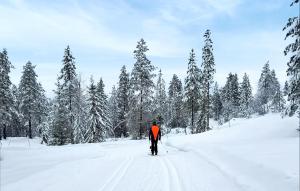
column 259, row 154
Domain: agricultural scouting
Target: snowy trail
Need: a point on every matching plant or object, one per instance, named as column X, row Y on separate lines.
column 227, row 159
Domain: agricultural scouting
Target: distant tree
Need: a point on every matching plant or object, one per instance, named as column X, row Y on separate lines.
column 123, row 101
column 246, row 97
column 160, row 99
column 208, row 70
column 69, row 87
column 60, row 130
column 231, row 97
column 176, row 111
column 103, row 111
column 192, row 89
column 217, row 106
column 142, row 87
column 113, row 113
column 265, row 90
column 293, row 32
column 32, row 99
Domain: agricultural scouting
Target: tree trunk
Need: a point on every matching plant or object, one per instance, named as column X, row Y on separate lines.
column 192, row 116
column 207, row 116
column 141, row 114
column 4, row 132
column 30, row 129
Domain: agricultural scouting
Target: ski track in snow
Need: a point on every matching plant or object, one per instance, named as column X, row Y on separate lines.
column 184, row 163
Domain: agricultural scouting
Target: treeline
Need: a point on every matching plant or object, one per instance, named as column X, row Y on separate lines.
column 80, row 114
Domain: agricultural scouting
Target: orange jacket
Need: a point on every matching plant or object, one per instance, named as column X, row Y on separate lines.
column 154, row 133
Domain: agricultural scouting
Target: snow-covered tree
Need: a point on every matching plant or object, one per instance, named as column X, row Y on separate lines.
column 142, row 90
column 217, row 106
column 231, row 97
column 103, row 111
column 293, row 50
column 160, row 99
column 277, row 100
column 6, row 100
column 265, row 90
column 113, row 113
column 208, row 70
column 69, row 87
column 246, row 97
column 16, row 125
column 192, row 89
column 176, row 110
column 81, row 115
column 31, row 99
column 285, row 88
column 123, row 101
column 95, row 122
column 60, row 130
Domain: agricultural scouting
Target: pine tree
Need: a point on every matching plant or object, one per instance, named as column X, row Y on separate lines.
column 30, row 95
column 80, row 117
column 176, row 114
column 142, row 90
column 277, row 100
column 6, row 100
column 293, row 50
column 113, row 113
column 16, row 125
column 246, row 97
column 103, row 111
column 208, row 70
column 60, row 130
column 95, row 123
column 160, row 100
column 192, row 89
column 123, row 101
column 217, row 106
column 69, row 87
column 231, row 97
column 264, row 93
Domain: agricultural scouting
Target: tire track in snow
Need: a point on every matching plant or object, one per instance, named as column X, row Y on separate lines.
column 118, row 174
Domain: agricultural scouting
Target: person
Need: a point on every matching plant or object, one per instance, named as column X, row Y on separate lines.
column 154, row 136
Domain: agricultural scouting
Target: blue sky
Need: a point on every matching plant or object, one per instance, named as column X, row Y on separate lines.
column 103, row 35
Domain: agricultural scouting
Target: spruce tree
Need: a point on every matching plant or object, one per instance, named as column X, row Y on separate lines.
column 160, row 100
column 217, row 106
column 277, row 100
column 6, row 100
column 208, row 70
column 113, row 113
column 60, row 130
column 246, row 97
column 231, row 97
column 123, row 101
column 292, row 50
column 105, row 124
column 176, row 114
column 69, row 87
column 265, row 88
column 142, row 90
column 192, row 89
column 30, row 93
column 95, row 132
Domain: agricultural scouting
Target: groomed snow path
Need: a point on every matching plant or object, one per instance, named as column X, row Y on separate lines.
column 260, row 154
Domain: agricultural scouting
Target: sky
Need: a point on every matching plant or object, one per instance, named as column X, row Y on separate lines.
column 103, row 35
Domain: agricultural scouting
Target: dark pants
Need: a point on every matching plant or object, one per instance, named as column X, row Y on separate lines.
column 154, row 146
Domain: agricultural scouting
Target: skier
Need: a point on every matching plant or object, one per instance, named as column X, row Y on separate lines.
column 154, row 136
